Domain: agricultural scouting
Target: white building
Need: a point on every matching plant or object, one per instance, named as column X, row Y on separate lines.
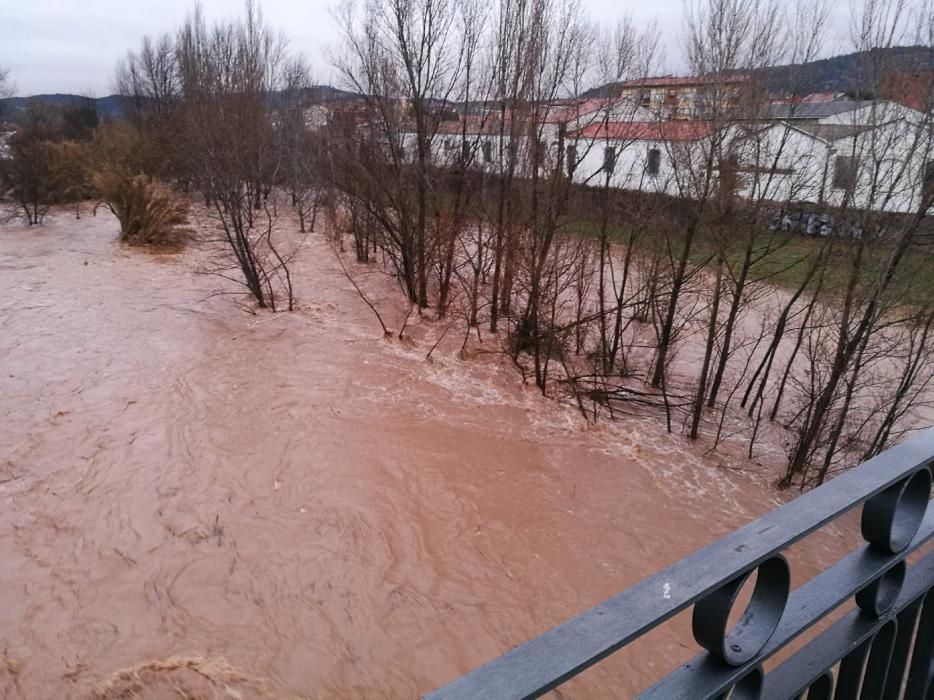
column 780, row 162
column 865, row 164
column 873, row 155
column 6, row 134
column 648, row 156
column 842, row 111
column 489, row 141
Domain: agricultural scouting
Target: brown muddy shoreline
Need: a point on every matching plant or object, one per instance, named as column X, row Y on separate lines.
column 202, row 500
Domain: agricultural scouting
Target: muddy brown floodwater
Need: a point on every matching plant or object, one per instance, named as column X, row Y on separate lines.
column 202, row 503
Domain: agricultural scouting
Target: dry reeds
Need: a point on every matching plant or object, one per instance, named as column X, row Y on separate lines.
column 149, row 212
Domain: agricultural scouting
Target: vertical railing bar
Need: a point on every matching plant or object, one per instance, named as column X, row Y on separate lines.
column 844, row 635
column 880, row 657
column 920, row 669
column 850, row 676
column 907, row 624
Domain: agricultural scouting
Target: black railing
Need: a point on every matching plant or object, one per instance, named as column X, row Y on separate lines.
column 883, row 648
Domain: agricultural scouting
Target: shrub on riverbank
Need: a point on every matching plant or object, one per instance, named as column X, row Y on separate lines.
column 149, row 212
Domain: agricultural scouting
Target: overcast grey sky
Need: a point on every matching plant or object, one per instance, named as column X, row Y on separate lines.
column 73, row 45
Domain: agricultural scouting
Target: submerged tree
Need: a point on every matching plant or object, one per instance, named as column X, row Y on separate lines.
column 406, row 59
column 6, row 86
column 890, row 166
column 41, row 171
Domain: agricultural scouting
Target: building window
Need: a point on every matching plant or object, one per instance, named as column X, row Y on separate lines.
column 571, row 155
column 844, row 173
column 927, row 187
column 487, row 152
column 541, row 153
column 449, row 144
column 645, row 98
column 729, row 179
column 653, row 162
column 609, row 159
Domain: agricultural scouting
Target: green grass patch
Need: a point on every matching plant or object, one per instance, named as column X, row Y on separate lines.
column 788, row 256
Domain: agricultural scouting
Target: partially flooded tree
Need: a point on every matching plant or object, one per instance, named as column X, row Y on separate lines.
column 761, row 157
column 405, row 58
column 149, row 82
column 761, row 168
column 538, row 261
column 301, row 173
column 886, row 167
column 726, row 39
column 35, row 176
column 226, row 73
column 6, row 86
column 617, row 128
column 469, row 169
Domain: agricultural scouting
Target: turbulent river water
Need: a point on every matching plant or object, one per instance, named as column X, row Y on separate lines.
column 199, row 502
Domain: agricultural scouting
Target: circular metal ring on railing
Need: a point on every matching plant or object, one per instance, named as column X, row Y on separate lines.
column 891, row 518
column 758, row 622
column 880, row 595
column 749, row 687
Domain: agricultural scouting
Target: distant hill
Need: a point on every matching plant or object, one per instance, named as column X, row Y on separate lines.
column 114, row 106
column 111, row 107
column 327, row 93
column 843, row 73
column 834, row 74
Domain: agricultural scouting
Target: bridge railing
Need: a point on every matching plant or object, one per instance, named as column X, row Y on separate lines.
column 883, row 648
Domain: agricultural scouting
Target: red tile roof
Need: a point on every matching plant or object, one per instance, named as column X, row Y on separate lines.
column 472, row 125
column 675, row 80
column 649, row 131
column 581, row 109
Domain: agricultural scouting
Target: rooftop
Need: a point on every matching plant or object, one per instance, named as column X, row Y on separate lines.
column 686, row 80
column 834, row 132
column 649, row 131
column 814, row 110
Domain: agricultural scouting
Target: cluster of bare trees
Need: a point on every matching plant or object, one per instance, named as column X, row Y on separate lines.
column 626, row 285
column 216, row 109
column 6, row 86
column 413, row 180
column 220, row 109
column 47, row 162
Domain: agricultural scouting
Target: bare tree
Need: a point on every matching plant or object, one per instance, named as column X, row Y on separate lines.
column 764, row 167
column 6, row 86
column 301, row 173
column 405, row 58
column 149, row 82
column 538, row 265
column 723, row 37
column 890, row 159
column 226, row 73
column 34, row 174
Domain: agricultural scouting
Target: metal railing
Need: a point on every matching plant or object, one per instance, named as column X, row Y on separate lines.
column 882, row 648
